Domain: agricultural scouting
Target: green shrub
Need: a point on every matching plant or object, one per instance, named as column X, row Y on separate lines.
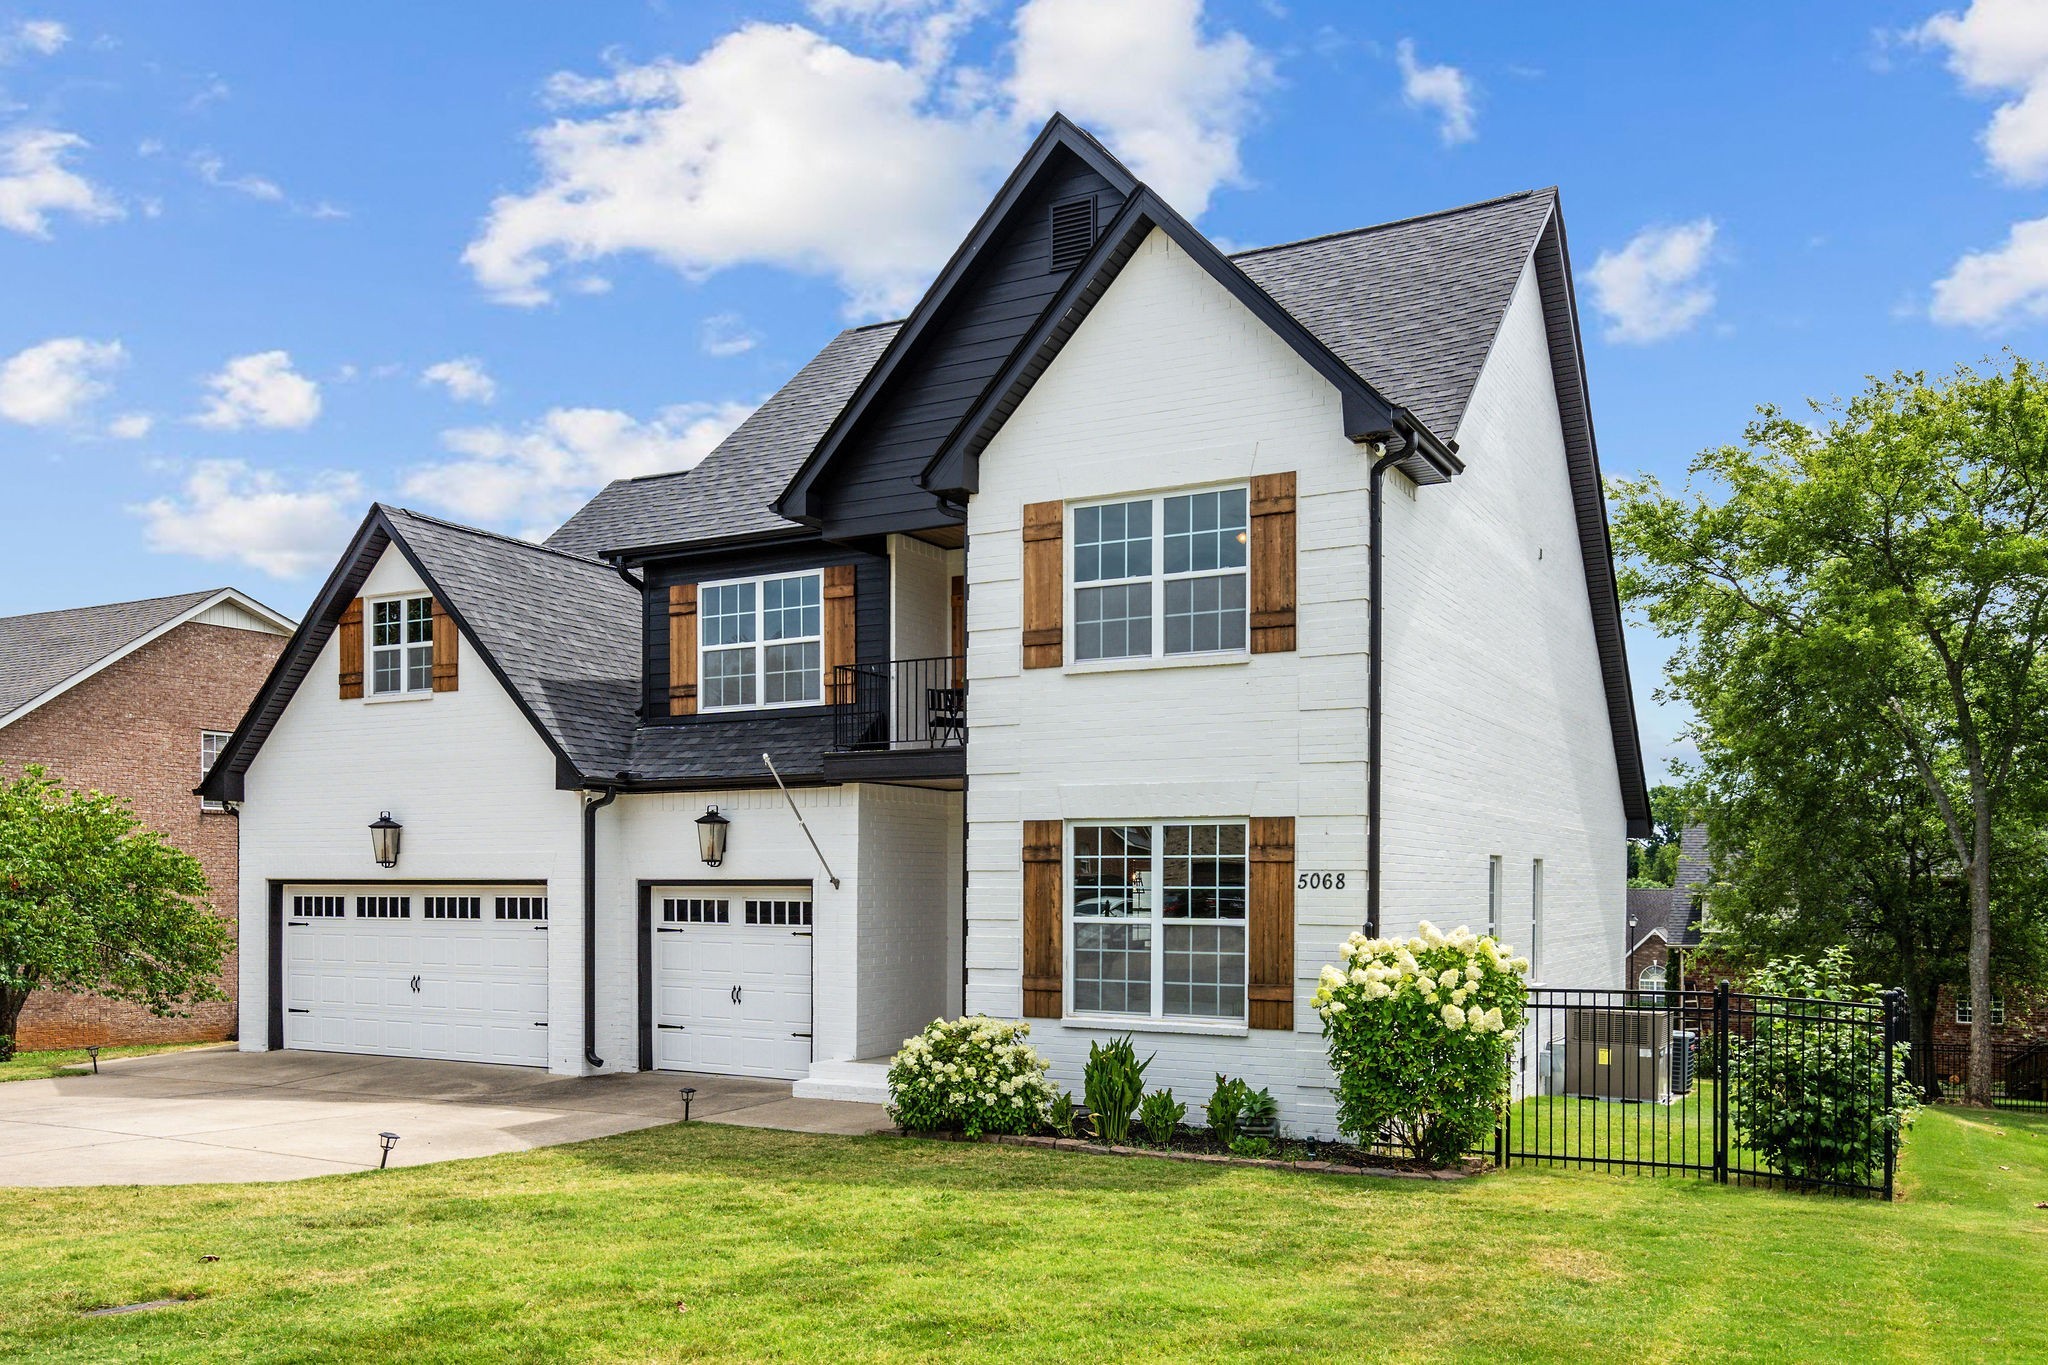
column 1159, row 1117
column 1063, row 1115
column 1806, row 1088
column 1419, row 1032
column 1226, row 1107
column 1112, row 1084
column 1260, row 1113
column 975, row 1075
column 1257, row 1148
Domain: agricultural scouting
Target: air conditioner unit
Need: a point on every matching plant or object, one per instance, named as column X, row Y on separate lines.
column 1685, row 1060
column 1617, row 1054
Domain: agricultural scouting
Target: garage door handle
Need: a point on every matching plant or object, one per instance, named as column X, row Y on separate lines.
column 677, row 1027
column 540, row 1023
column 735, row 995
column 298, row 924
column 298, row 1011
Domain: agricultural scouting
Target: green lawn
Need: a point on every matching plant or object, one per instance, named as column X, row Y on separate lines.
column 68, row 1061
column 701, row 1242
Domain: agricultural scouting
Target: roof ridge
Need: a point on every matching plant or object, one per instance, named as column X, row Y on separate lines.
column 495, row 535
column 1394, row 222
column 194, row 595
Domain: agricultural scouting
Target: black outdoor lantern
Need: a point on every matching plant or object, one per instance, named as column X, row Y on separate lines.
column 384, row 832
column 93, row 1051
column 689, row 1093
column 711, row 832
column 387, row 1141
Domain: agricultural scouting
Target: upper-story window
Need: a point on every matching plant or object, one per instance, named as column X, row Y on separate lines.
column 1161, row 576
column 760, row 642
column 211, row 742
column 1965, row 1011
column 401, row 646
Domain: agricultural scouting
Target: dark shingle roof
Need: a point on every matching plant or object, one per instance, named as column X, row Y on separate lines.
column 1648, row 907
column 728, row 494
column 1695, row 870
column 43, row 650
column 564, row 630
column 1412, row 306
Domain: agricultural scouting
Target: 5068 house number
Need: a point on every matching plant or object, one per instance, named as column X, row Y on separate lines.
column 1321, row 881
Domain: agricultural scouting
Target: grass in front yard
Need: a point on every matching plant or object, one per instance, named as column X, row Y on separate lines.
column 701, row 1242
column 70, row 1061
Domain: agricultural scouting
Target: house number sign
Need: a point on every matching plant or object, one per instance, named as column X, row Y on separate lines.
column 1323, row 881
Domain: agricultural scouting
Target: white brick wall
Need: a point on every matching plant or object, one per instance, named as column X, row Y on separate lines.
column 909, row 907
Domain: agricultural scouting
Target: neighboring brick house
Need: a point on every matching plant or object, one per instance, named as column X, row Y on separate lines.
column 1664, row 925
column 134, row 699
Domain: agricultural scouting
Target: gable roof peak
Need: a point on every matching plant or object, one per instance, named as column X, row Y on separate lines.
column 1512, row 197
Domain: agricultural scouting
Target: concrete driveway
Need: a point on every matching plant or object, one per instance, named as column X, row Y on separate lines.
column 221, row 1115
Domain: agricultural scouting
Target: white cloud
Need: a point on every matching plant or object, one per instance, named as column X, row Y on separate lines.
column 2001, row 47
column 260, row 390
column 1988, row 287
column 131, row 426
column 533, row 478
column 1168, row 99
column 726, row 334
column 51, row 384
column 35, row 182
column 213, row 170
column 686, row 161
column 1653, row 287
column 464, row 378
column 42, row 37
column 228, row 511
column 1443, row 90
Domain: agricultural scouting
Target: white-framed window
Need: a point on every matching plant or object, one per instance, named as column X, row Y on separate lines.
column 1536, row 920
column 211, row 742
column 1965, row 1011
column 761, row 641
column 1156, row 917
column 1494, row 883
column 401, row 644
column 1161, row 576
column 1652, row 978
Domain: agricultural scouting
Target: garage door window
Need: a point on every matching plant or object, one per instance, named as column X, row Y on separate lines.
column 318, row 907
column 451, row 907
column 778, row 912
column 383, row 907
column 695, row 910
column 523, row 907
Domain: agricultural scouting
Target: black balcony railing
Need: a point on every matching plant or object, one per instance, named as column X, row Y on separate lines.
column 902, row 704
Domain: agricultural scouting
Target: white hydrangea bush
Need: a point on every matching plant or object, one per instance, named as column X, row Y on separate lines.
column 974, row 1075
column 1419, row 1032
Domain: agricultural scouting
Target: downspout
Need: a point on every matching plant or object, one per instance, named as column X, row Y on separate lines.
column 590, row 810
column 1374, row 633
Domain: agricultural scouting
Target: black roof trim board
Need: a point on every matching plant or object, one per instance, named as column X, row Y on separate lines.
column 1060, row 133
column 1367, row 413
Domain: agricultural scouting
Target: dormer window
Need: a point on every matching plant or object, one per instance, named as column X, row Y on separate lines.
column 401, row 646
column 761, row 642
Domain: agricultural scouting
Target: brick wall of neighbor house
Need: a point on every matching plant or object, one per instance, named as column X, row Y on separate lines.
column 1651, row 953
column 134, row 730
column 2026, row 1021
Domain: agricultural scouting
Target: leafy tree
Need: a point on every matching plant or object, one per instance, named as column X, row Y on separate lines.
column 90, row 900
column 1897, row 547
column 1654, row 861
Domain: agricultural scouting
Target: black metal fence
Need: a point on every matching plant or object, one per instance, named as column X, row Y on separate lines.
column 1750, row 1089
column 901, row 704
column 2019, row 1073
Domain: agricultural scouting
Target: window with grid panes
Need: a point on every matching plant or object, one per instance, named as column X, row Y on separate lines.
column 1157, row 919
column 761, row 642
column 401, row 646
column 1161, row 576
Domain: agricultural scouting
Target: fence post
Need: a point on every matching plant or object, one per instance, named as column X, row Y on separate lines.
column 1894, row 1007
column 1721, row 1083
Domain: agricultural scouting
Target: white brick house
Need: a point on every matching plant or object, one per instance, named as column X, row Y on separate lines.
column 1054, row 609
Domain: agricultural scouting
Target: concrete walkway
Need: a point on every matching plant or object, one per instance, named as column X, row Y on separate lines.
column 221, row 1115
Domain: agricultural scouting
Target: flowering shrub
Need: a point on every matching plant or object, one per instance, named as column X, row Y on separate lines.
column 1419, row 1032
column 974, row 1075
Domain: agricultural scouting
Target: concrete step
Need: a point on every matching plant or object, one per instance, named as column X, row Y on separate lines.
column 865, row 1081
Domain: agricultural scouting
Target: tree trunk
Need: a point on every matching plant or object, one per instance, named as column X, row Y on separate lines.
column 11, row 1002
column 1980, row 946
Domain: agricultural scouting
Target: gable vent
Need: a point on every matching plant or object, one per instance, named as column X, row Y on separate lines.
column 1073, row 231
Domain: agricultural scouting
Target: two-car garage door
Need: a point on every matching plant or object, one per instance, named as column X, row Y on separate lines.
column 455, row 972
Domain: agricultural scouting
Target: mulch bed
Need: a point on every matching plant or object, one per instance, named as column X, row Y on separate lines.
column 1332, row 1158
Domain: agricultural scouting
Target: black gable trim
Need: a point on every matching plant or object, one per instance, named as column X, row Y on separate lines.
column 1596, row 550
column 954, row 471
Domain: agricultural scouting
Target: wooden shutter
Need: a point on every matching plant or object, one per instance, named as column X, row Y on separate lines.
column 1270, row 933
column 447, row 648
column 350, row 633
column 682, row 649
column 1044, row 584
column 839, row 629
column 958, row 641
column 1272, row 563
column 1043, row 958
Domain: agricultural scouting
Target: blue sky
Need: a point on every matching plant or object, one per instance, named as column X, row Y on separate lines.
column 261, row 264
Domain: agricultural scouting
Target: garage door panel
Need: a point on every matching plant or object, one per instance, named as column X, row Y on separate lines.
column 463, row 989
column 732, row 997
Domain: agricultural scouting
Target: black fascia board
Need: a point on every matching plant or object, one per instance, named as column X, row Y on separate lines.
column 1060, row 132
column 1367, row 414
column 639, row 556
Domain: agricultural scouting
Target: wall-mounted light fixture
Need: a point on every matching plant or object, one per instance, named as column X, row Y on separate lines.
column 384, row 834
column 712, row 829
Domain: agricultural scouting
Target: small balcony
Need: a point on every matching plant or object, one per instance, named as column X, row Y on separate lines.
column 904, row 720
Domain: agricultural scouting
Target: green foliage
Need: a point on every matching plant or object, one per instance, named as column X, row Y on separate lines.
column 1654, row 861
column 1063, row 1116
column 1419, row 1032
column 1112, row 1084
column 1260, row 1114
column 1226, row 1107
column 974, row 1075
column 1807, row 1086
column 91, row 900
column 1246, row 1145
column 1160, row 1116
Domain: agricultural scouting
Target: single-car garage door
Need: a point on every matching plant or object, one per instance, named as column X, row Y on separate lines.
column 457, row 973
column 732, row 979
